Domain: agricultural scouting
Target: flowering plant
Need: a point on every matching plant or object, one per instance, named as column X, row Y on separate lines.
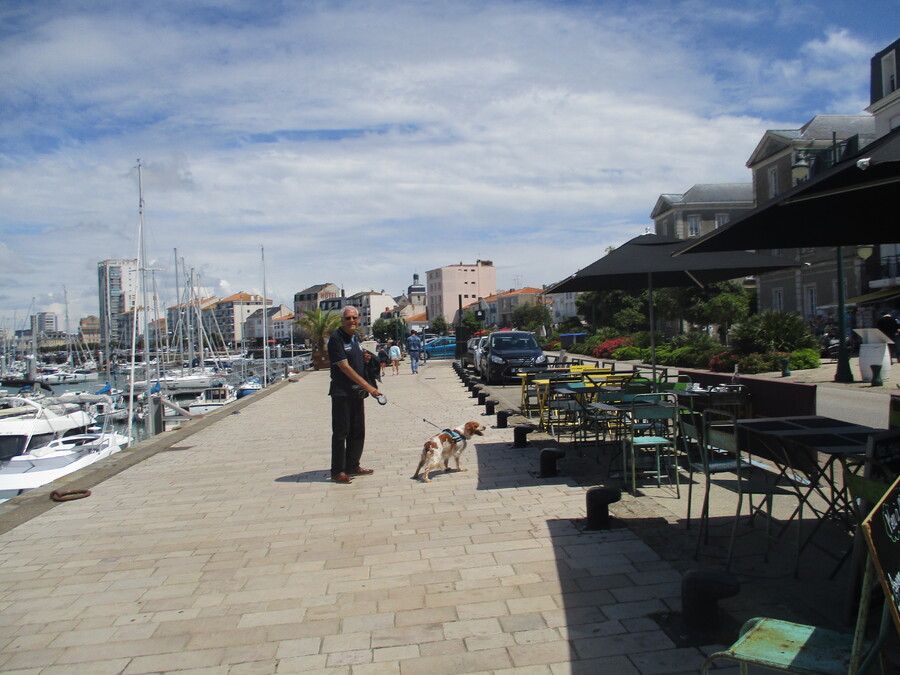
column 606, row 348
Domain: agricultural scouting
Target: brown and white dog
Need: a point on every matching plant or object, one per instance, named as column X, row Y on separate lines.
column 441, row 447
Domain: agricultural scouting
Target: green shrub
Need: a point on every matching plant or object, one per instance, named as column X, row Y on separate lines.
column 772, row 332
column 803, row 359
column 754, row 363
column 723, row 362
column 699, row 340
column 627, row 354
column 642, row 339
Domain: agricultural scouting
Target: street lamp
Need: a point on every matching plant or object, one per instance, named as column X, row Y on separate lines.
column 800, row 171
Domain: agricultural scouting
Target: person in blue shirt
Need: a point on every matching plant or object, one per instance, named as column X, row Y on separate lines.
column 348, row 389
column 414, row 347
column 394, row 356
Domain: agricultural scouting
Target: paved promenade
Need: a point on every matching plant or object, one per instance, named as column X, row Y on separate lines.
column 229, row 551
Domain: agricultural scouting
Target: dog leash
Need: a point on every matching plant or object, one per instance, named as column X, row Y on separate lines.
column 409, row 412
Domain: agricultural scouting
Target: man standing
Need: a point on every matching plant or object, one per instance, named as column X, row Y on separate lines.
column 414, row 347
column 348, row 386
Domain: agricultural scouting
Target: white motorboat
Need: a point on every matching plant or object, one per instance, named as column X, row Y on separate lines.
column 26, row 423
column 102, row 407
column 60, row 457
column 211, row 399
column 249, row 386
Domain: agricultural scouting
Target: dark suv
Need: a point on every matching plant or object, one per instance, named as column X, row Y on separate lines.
column 508, row 350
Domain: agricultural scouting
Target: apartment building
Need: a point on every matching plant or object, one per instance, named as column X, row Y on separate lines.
column 702, row 209
column 371, row 305
column 275, row 316
column 781, row 159
column 311, row 298
column 228, row 316
column 117, row 292
column 89, row 329
column 449, row 288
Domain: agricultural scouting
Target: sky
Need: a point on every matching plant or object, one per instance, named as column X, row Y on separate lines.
column 360, row 143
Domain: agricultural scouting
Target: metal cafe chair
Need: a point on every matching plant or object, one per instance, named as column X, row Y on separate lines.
column 690, row 440
column 809, row 650
column 651, row 433
column 720, row 453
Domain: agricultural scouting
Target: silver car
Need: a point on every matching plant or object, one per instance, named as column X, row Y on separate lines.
column 478, row 366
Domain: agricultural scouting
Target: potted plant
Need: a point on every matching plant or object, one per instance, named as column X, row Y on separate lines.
column 318, row 326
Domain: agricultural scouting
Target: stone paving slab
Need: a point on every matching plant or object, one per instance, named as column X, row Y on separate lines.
column 229, row 551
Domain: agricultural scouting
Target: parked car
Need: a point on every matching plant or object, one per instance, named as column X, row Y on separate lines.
column 469, row 356
column 443, row 347
column 479, row 354
column 507, row 351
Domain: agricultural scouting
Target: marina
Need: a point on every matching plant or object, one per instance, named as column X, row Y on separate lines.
column 50, row 430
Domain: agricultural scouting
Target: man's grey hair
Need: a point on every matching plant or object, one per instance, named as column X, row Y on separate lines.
column 349, row 308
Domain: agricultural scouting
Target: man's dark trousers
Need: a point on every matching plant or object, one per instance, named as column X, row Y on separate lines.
column 348, row 433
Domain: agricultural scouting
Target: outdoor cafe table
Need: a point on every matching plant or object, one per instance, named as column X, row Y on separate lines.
column 805, row 450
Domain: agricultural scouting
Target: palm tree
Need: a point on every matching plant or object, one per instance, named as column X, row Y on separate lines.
column 317, row 326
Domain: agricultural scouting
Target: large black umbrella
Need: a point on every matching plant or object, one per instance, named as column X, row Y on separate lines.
column 853, row 202
column 648, row 261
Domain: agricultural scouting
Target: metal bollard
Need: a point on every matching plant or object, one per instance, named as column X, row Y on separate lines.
column 701, row 590
column 598, row 500
column 785, row 367
column 489, row 406
column 549, row 457
column 475, row 390
column 482, row 397
column 876, row 375
column 520, row 435
column 503, row 417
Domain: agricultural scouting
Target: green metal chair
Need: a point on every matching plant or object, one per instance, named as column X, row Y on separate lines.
column 651, row 431
column 809, row 650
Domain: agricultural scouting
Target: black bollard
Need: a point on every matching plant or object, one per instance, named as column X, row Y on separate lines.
column 598, row 500
column 876, row 375
column 520, row 434
column 701, row 590
column 482, row 397
column 549, row 457
column 503, row 417
column 475, row 390
column 489, row 406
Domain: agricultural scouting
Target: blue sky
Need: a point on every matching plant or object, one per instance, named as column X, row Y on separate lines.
column 361, row 142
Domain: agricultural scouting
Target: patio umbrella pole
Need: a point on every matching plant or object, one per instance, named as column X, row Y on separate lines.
column 652, row 332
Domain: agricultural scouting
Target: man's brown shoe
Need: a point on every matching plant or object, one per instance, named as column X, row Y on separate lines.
column 362, row 472
column 341, row 478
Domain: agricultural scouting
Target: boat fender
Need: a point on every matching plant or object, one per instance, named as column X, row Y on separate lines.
column 69, row 495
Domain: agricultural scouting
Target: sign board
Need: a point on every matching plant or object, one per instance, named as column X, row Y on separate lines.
column 872, row 336
column 882, row 532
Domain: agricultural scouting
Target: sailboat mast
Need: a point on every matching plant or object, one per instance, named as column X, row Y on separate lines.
column 265, row 317
column 176, row 334
column 69, row 359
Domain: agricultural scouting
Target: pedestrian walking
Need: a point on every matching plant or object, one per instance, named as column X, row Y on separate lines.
column 414, row 347
column 394, row 354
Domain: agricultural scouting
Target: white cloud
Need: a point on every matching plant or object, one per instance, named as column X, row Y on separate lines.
column 360, row 143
